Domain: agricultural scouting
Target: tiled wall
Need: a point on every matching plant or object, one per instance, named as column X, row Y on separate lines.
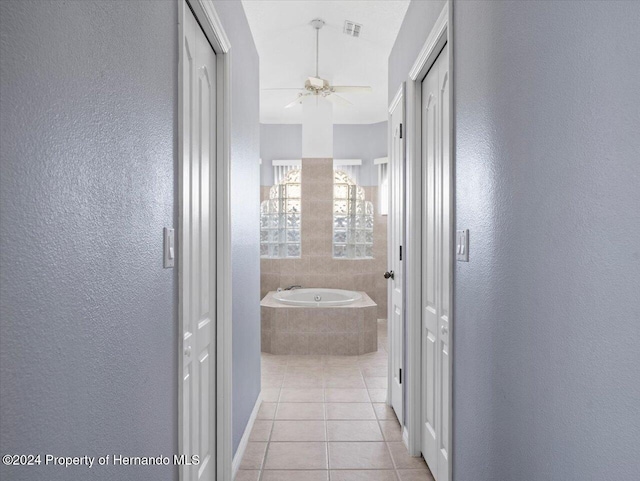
column 317, row 267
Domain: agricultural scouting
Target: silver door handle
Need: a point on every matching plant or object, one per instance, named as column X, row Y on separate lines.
column 187, row 351
column 444, row 330
column 389, row 275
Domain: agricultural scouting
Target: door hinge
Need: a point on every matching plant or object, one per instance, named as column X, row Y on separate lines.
column 400, row 252
column 400, row 130
column 400, row 376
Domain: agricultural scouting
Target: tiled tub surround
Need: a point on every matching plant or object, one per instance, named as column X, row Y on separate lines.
column 317, row 267
column 339, row 330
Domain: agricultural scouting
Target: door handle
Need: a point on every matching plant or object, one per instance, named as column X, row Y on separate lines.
column 389, row 275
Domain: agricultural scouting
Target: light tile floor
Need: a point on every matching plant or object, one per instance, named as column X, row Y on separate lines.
column 324, row 418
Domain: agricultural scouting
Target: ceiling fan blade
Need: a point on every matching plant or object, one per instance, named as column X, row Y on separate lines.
column 352, row 88
column 337, row 100
column 285, row 88
column 298, row 100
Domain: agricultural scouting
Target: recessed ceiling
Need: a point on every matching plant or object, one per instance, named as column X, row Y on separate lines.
column 286, row 45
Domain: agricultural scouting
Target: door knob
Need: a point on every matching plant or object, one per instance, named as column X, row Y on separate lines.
column 187, row 351
column 388, row 274
column 444, row 330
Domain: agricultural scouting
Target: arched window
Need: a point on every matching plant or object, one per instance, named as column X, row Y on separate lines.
column 352, row 219
column 280, row 219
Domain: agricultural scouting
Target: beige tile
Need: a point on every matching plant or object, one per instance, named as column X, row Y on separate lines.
column 303, row 382
column 266, row 411
column 384, row 412
column 343, row 371
column 415, row 475
column 359, row 456
column 295, row 475
column 270, row 394
column 378, row 395
column 299, row 431
column 297, row 456
column 353, row 431
column 335, row 395
column 401, row 457
column 375, row 371
column 247, row 475
column 350, row 411
column 274, row 381
column 298, row 411
column 301, row 395
column 253, row 456
column 376, row 382
column 261, row 430
column 363, row 475
column 308, row 361
column 350, row 382
column 391, row 430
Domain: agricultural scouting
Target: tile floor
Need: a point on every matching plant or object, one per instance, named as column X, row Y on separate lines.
column 324, row 418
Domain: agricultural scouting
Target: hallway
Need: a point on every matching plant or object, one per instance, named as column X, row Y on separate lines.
column 325, row 418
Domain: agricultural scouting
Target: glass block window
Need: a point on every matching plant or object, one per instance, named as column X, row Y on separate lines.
column 280, row 219
column 352, row 219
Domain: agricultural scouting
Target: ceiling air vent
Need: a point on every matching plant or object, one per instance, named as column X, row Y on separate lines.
column 352, row 29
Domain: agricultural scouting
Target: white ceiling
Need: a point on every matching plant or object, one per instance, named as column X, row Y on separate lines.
column 286, row 44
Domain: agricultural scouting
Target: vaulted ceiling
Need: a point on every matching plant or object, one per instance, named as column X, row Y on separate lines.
column 286, row 44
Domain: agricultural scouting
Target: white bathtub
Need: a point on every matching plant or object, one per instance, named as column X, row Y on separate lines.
column 317, row 297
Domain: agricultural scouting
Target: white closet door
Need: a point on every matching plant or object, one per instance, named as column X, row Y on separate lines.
column 436, row 269
column 395, row 221
column 197, row 237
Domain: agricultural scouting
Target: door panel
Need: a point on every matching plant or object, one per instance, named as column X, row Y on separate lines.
column 197, row 273
column 396, row 236
column 444, row 380
column 430, row 114
column 436, row 269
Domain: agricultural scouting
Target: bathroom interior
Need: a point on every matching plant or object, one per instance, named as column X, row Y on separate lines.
column 323, row 242
column 326, row 400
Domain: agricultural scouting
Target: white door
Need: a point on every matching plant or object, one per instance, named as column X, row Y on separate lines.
column 197, row 247
column 395, row 274
column 436, row 270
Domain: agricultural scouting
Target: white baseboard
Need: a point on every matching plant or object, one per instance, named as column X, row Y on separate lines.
column 237, row 459
column 405, row 437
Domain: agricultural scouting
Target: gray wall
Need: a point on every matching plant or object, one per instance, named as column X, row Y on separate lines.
column 547, row 313
column 281, row 142
column 88, row 361
column 418, row 22
column 245, row 205
column 350, row 141
column 88, row 315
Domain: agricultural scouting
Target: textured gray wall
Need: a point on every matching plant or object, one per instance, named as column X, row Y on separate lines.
column 361, row 141
column 88, row 361
column 547, row 312
column 350, row 141
column 418, row 22
column 281, row 142
column 245, row 205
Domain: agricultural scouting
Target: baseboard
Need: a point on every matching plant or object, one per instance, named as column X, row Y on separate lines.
column 237, row 459
column 405, row 437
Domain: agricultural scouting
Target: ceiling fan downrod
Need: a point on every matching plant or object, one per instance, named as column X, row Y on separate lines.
column 317, row 23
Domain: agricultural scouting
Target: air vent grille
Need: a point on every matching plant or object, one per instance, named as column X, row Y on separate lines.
column 352, row 29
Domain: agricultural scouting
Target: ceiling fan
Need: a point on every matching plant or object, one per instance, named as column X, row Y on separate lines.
column 319, row 86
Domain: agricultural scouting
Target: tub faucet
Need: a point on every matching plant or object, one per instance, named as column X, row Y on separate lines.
column 290, row 288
